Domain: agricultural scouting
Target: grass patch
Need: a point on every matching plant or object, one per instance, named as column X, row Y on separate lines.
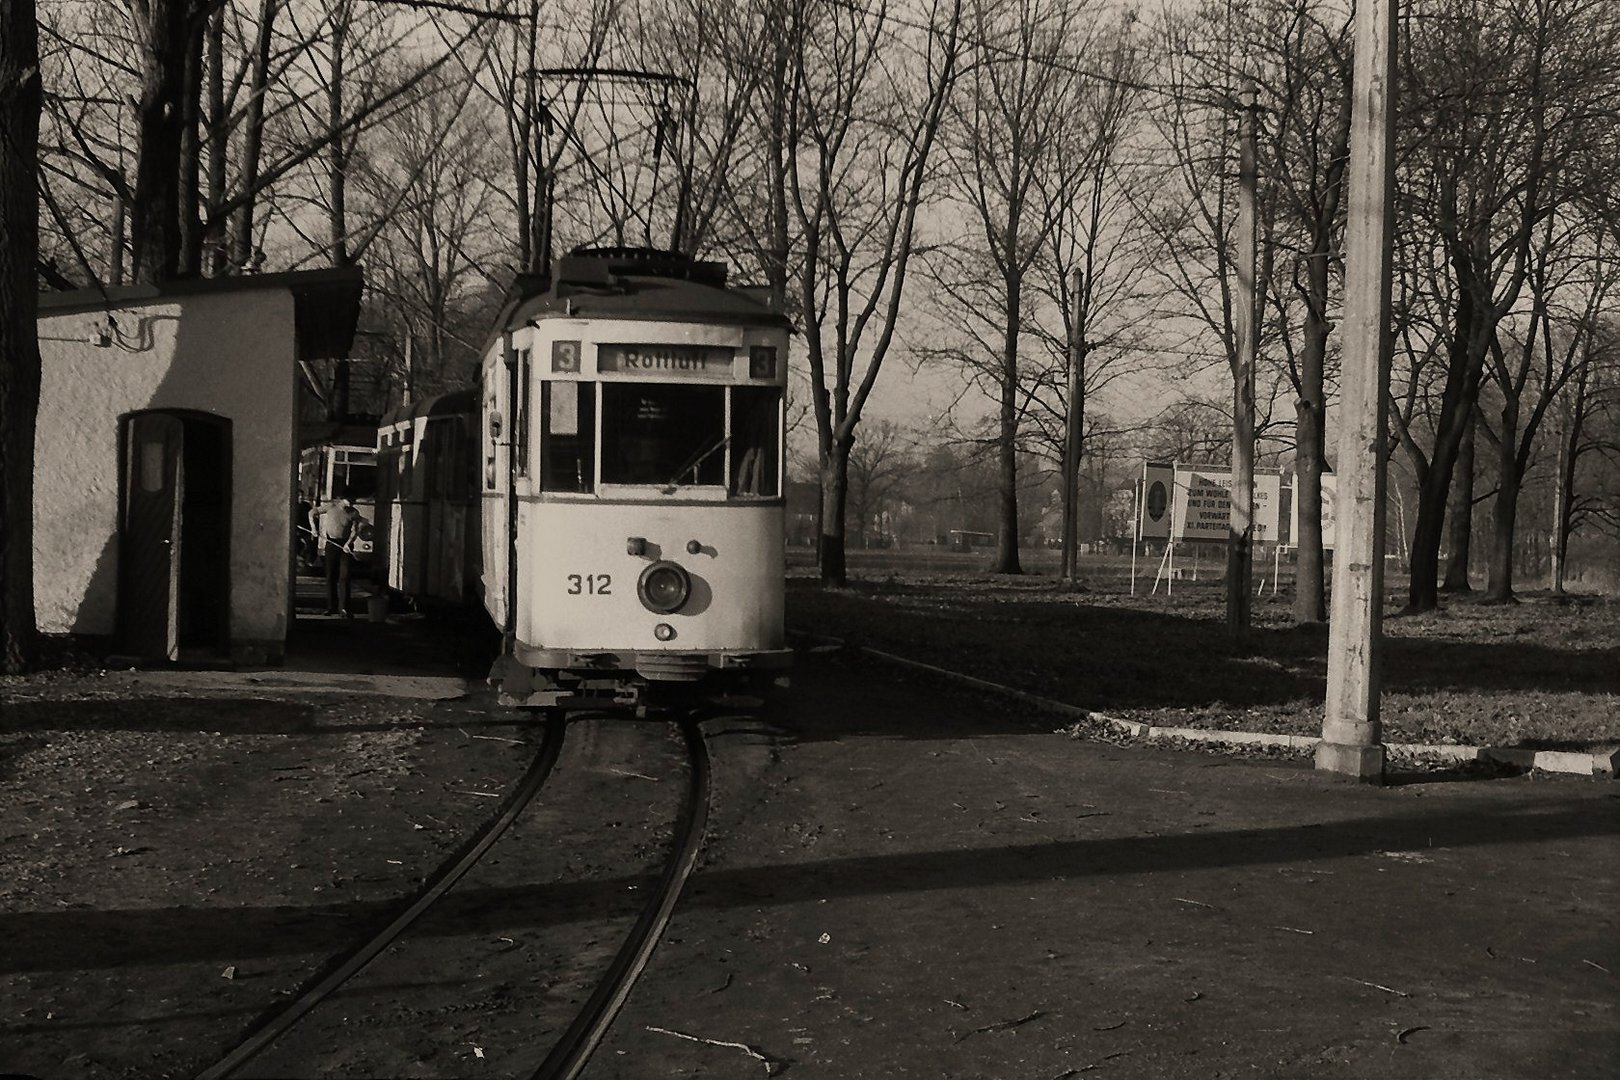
column 1542, row 674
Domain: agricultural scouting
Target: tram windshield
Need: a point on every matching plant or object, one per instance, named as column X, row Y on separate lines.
column 663, row 433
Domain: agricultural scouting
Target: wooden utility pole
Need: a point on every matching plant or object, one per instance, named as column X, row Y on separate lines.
column 1240, row 530
column 1352, row 736
column 1075, row 419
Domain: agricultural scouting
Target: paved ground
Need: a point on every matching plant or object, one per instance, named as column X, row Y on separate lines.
column 905, row 879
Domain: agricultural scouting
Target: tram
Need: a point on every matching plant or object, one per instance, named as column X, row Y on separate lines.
column 631, row 443
column 329, row 468
column 427, row 520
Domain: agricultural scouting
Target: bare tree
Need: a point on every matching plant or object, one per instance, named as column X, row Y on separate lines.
column 878, row 467
column 1301, row 51
column 438, row 245
column 1591, row 397
column 1011, row 154
column 1032, row 144
column 868, row 94
column 716, row 152
column 1530, row 373
column 1506, row 100
column 1098, row 259
column 170, row 33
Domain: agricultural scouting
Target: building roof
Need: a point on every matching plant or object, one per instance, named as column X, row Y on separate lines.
column 326, row 302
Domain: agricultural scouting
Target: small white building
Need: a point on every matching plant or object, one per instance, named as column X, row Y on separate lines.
column 165, row 458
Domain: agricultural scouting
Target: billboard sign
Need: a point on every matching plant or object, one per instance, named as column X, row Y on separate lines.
column 1201, row 503
column 1153, row 502
column 1330, row 519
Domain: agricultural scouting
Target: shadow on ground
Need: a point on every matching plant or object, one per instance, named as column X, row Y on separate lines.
column 117, row 938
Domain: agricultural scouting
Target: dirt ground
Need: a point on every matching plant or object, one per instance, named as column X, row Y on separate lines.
column 903, row 880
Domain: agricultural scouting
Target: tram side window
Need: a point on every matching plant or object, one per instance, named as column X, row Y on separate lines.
column 447, row 470
column 491, row 424
column 520, row 422
column 755, row 441
column 567, row 436
column 663, row 433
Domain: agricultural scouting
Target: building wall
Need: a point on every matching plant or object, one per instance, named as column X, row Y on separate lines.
column 232, row 355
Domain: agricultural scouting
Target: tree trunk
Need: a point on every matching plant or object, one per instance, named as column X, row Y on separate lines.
column 190, row 164
column 20, row 102
column 1007, row 445
column 1074, row 429
column 337, row 153
column 524, row 125
column 1310, row 593
column 159, row 118
column 1465, row 362
column 1240, row 538
column 216, row 260
column 1569, row 440
column 834, row 497
column 115, row 242
column 1499, row 580
column 1460, row 511
column 253, row 137
column 1425, row 571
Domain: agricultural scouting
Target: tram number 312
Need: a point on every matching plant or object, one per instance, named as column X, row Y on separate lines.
column 590, row 584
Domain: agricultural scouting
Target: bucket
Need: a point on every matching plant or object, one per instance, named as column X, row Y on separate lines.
column 377, row 608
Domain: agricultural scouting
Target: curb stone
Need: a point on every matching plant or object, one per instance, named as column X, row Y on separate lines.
column 1602, row 763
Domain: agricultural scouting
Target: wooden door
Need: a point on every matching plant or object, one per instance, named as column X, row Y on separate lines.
column 149, row 546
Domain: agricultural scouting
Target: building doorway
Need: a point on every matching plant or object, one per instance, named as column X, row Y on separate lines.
column 174, row 537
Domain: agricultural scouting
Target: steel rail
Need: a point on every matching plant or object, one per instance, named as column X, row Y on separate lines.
column 570, row 1055
column 516, row 800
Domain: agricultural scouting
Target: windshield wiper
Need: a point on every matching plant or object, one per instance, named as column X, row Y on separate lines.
column 692, row 464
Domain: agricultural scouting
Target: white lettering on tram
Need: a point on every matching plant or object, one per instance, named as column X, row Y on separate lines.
column 668, row 358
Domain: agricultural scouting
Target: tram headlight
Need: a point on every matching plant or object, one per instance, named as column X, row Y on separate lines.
column 664, row 588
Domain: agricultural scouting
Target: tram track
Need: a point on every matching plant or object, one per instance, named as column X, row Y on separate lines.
column 275, row 1044
column 569, row 1057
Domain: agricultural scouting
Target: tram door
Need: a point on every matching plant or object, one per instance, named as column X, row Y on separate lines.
column 173, row 582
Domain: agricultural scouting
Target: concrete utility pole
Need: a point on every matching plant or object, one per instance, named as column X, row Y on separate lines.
column 1075, row 418
column 1352, row 736
column 1240, row 531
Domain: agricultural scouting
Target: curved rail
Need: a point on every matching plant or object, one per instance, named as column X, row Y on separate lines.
column 516, row 801
column 569, row 1057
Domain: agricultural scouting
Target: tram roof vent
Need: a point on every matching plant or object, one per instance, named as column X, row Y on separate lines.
column 603, row 267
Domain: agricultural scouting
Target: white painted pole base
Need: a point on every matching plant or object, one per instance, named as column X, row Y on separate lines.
column 1361, row 763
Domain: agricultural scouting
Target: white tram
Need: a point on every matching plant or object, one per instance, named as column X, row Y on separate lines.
column 632, row 472
column 428, row 503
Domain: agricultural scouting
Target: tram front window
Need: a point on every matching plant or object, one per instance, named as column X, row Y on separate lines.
column 664, row 434
column 357, row 477
column 567, row 415
column 755, row 439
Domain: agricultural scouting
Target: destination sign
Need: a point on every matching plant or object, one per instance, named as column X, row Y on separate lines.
column 665, row 359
